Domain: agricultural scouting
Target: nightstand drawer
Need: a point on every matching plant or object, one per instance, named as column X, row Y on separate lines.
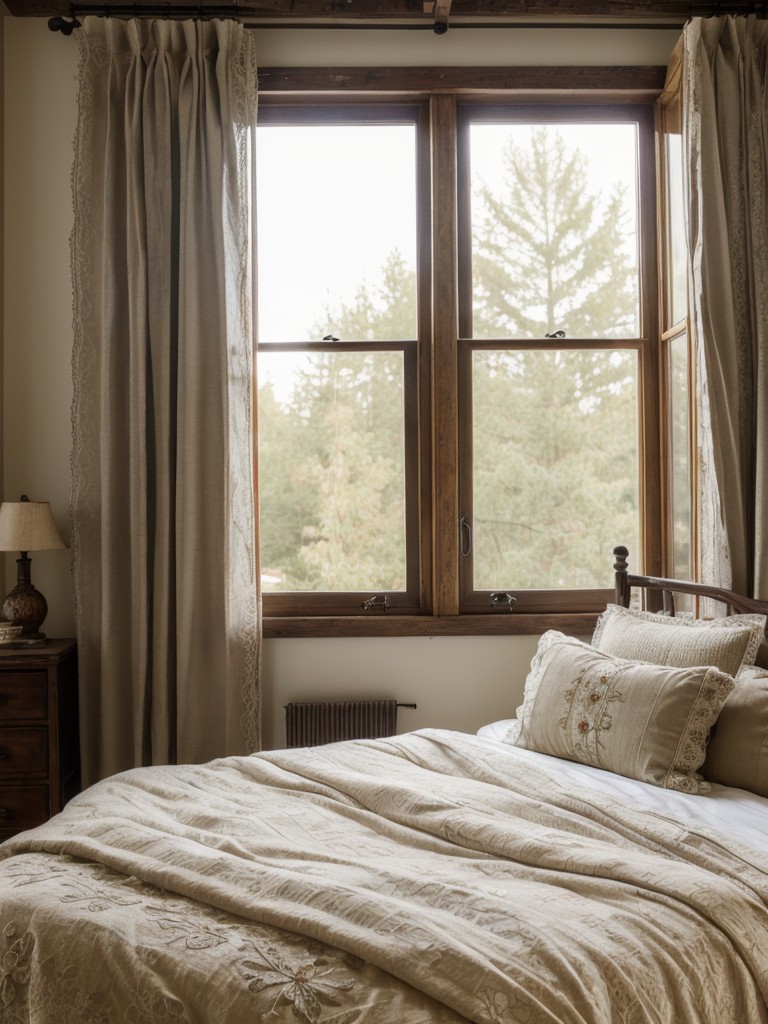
column 23, row 751
column 39, row 751
column 23, row 807
column 23, row 695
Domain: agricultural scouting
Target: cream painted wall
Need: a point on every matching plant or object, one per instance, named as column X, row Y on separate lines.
column 457, row 682
column 517, row 46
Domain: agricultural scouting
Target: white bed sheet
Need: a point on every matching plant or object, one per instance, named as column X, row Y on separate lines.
column 735, row 812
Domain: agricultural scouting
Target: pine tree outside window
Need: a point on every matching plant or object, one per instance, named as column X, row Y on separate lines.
column 550, row 340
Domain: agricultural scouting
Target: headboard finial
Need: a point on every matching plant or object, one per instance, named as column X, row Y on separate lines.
column 620, row 566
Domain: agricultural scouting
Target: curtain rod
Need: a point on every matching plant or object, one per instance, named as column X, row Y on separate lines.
column 66, row 25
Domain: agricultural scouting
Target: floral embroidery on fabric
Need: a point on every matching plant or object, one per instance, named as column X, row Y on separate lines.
column 588, row 706
column 15, row 963
column 304, row 983
column 191, row 933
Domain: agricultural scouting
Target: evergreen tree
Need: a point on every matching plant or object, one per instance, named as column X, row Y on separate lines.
column 553, row 458
column 345, row 415
column 554, row 455
column 546, row 255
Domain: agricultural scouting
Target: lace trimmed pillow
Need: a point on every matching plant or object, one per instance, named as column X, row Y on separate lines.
column 727, row 643
column 643, row 721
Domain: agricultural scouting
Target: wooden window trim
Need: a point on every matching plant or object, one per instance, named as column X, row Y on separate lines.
column 668, row 122
column 570, row 84
column 445, row 444
column 529, row 624
column 438, row 366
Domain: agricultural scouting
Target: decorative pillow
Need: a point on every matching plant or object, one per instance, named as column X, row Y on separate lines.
column 647, row 722
column 727, row 643
column 737, row 754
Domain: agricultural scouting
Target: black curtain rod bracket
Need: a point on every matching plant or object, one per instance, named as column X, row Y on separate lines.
column 64, row 25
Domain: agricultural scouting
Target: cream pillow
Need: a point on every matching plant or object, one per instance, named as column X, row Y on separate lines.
column 737, row 754
column 647, row 722
column 727, row 643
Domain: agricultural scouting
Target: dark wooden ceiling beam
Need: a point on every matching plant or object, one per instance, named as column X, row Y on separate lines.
column 397, row 10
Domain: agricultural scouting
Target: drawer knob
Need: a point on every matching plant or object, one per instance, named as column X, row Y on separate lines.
column 4, row 812
column 4, row 755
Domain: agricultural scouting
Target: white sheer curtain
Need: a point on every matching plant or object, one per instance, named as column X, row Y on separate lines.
column 725, row 126
column 168, row 614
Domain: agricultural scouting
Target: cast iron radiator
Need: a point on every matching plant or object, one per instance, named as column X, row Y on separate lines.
column 312, row 723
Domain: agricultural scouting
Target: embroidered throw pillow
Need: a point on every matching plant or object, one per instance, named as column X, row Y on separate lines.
column 727, row 643
column 737, row 754
column 647, row 722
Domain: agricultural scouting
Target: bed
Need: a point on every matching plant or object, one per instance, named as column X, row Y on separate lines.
column 601, row 856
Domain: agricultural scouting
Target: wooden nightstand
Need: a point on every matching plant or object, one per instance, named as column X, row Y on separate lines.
column 39, row 735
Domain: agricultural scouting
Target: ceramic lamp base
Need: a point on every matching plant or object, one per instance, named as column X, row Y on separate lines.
column 25, row 606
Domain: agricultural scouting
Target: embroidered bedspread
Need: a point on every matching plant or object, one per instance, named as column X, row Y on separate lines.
column 430, row 877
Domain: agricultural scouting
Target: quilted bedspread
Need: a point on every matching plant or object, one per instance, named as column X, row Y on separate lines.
column 430, row 877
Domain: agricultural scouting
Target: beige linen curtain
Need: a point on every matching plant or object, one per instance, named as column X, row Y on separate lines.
column 725, row 129
column 165, row 577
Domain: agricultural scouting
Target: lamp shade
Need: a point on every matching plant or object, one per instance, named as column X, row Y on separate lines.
column 28, row 526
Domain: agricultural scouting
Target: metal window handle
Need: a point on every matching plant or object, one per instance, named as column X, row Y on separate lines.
column 501, row 601
column 376, row 603
column 465, row 528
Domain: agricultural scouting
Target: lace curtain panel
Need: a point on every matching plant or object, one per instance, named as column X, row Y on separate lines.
column 725, row 127
column 168, row 614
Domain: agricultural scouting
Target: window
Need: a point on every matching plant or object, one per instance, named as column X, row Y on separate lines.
column 338, row 318
column 457, row 340
column 679, row 532
column 549, row 202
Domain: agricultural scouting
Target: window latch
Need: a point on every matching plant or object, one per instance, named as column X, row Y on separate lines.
column 377, row 604
column 501, row 601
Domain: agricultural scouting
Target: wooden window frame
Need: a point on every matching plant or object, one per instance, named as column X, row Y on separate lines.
column 668, row 121
column 439, row 609
column 411, row 600
column 352, row 602
column 645, row 344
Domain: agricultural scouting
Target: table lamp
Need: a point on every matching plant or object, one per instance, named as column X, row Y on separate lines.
column 27, row 526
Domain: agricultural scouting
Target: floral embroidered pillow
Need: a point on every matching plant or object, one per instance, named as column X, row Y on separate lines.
column 727, row 643
column 647, row 722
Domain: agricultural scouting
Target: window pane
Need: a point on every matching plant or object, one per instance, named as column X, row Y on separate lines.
column 676, row 244
column 332, row 471
column 555, row 466
column 554, row 230
column 680, row 462
column 336, row 208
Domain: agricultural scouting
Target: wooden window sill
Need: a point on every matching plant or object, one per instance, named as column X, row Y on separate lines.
column 522, row 624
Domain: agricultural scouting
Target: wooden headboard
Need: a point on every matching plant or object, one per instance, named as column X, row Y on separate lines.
column 665, row 590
